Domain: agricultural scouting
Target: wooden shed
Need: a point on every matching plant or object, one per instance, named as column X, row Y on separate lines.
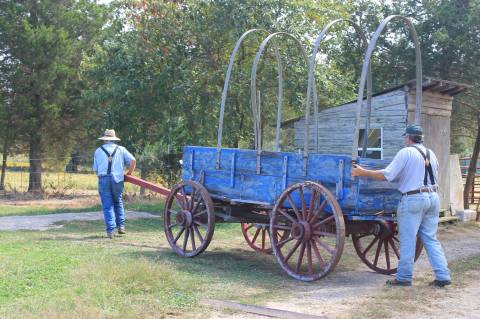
column 392, row 109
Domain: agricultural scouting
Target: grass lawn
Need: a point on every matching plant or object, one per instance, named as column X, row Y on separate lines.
column 74, row 272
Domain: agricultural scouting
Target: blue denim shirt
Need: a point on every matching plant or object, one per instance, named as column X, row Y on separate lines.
column 122, row 157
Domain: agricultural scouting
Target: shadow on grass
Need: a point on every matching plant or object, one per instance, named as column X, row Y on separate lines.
column 234, row 266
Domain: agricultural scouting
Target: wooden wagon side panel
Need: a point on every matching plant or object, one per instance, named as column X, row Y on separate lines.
column 336, row 125
column 237, row 179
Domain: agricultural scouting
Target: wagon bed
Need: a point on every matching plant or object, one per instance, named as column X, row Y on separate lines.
column 237, row 180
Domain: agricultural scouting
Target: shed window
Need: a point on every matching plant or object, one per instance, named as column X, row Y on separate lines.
column 374, row 143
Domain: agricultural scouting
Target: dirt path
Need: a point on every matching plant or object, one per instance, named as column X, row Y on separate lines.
column 346, row 294
column 45, row 222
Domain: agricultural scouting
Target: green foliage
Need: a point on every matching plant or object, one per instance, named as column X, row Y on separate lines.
column 161, row 80
column 154, row 70
column 42, row 43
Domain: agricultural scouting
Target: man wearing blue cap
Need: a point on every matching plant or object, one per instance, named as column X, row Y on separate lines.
column 414, row 169
column 108, row 162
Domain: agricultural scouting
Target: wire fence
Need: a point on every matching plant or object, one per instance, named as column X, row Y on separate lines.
column 73, row 175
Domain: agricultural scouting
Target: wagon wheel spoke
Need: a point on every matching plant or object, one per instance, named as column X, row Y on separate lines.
column 254, row 239
column 200, row 213
column 387, row 254
column 300, row 258
column 184, row 197
column 290, row 218
column 394, row 247
column 313, row 200
column 173, row 225
column 185, row 239
column 309, row 258
column 196, row 222
column 294, row 207
column 249, row 226
column 283, row 242
column 318, row 211
column 324, row 245
column 304, row 205
column 192, row 200
column 370, row 246
column 195, row 228
column 283, row 227
column 171, row 211
column 179, row 234
column 192, row 238
column 263, row 237
column 292, row 250
column 317, row 253
column 179, row 202
column 325, row 234
column 325, row 221
column 363, row 235
column 197, row 203
column 377, row 253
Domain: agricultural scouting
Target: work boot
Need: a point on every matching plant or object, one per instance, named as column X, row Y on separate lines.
column 440, row 283
column 121, row 230
column 110, row 235
column 397, row 283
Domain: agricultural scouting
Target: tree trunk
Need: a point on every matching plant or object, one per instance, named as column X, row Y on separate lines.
column 4, row 164
column 35, row 172
column 472, row 170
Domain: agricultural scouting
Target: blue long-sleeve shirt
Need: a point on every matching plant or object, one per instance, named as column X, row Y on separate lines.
column 122, row 157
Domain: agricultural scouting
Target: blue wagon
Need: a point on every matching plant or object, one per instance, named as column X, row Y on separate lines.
column 301, row 205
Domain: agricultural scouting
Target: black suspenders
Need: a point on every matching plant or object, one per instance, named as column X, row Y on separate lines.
column 110, row 158
column 428, row 167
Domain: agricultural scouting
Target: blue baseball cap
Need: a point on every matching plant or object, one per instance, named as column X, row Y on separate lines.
column 413, row 129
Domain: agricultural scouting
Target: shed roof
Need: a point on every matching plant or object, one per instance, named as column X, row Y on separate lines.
column 429, row 84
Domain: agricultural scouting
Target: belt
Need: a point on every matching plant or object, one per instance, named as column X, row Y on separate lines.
column 432, row 189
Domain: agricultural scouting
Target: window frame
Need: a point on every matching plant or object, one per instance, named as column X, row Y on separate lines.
column 375, row 149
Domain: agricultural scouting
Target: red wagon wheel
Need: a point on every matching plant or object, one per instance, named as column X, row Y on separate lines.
column 189, row 220
column 257, row 236
column 316, row 231
column 379, row 247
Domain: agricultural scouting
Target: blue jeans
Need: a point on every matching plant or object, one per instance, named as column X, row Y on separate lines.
column 419, row 214
column 112, row 205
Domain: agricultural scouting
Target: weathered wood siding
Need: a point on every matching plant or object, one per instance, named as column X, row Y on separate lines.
column 435, row 121
column 336, row 125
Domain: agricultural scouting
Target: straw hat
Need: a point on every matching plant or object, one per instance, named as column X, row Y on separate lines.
column 109, row 135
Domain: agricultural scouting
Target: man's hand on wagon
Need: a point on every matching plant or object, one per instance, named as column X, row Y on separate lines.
column 357, row 170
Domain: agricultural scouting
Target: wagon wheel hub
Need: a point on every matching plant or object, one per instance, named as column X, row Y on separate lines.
column 386, row 230
column 302, row 231
column 184, row 218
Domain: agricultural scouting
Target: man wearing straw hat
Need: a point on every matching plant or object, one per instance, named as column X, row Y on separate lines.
column 415, row 169
column 109, row 161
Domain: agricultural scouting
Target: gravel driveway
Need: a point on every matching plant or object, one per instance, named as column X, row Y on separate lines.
column 45, row 222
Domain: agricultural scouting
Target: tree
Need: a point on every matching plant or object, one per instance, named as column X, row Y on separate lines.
column 160, row 79
column 45, row 41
